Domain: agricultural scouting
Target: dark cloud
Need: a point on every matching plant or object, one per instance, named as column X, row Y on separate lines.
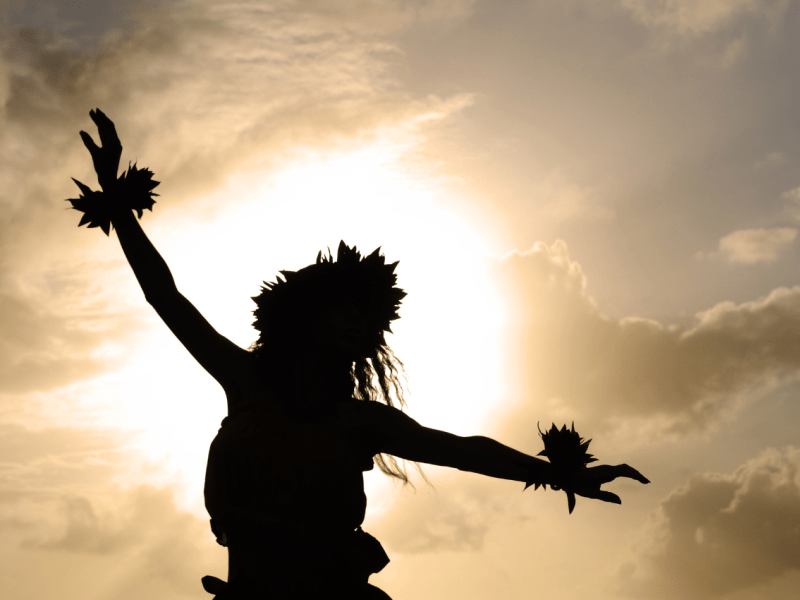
column 196, row 87
column 722, row 533
column 568, row 359
column 682, row 21
column 78, row 23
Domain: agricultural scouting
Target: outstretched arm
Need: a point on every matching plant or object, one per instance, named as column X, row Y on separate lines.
column 219, row 356
column 400, row 435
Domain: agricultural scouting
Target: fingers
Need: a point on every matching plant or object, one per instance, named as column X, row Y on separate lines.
column 608, row 497
column 606, row 473
column 589, row 482
column 105, row 157
column 598, row 494
column 631, row 473
column 106, row 128
column 602, row 473
column 99, row 117
column 89, row 143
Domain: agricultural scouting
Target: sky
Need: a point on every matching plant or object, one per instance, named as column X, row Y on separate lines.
column 595, row 205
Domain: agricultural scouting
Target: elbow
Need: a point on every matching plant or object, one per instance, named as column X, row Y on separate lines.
column 159, row 297
column 154, row 299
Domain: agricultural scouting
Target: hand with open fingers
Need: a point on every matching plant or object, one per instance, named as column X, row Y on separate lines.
column 586, row 482
column 133, row 190
column 105, row 158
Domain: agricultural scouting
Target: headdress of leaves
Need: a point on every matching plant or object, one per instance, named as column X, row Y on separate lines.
column 568, row 453
column 295, row 295
column 133, row 190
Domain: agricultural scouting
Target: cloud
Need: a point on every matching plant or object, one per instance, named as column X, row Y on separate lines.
column 697, row 18
column 58, row 499
column 139, row 516
column 392, row 15
column 719, row 32
column 792, row 206
column 159, row 550
column 41, row 467
column 721, row 533
column 454, row 518
column 752, row 246
column 772, row 160
column 567, row 201
column 41, row 350
column 792, row 195
column 20, row 445
column 567, row 360
column 198, row 89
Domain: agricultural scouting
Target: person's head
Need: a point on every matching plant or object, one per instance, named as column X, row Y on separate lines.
column 341, row 329
column 337, row 304
column 338, row 310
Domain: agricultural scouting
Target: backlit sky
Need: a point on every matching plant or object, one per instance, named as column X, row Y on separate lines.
column 595, row 205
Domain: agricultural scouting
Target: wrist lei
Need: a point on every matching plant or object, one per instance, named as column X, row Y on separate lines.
column 567, row 453
column 132, row 191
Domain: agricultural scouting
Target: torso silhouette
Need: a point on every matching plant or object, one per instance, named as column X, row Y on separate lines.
column 286, row 493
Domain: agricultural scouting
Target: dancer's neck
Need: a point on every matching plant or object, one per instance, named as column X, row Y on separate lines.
column 319, row 383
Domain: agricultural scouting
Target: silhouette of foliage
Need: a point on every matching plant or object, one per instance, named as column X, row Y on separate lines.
column 133, row 190
column 568, row 453
column 368, row 279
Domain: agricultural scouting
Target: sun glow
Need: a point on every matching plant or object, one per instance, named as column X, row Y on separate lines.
column 447, row 337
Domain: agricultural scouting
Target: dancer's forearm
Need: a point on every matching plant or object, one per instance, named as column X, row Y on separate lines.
column 483, row 455
column 149, row 267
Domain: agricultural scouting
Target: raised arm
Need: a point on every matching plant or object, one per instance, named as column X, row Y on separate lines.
column 219, row 356
column 398, row 434
column 223, row 359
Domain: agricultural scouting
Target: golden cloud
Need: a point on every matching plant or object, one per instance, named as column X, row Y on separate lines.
column 455, row 518
column 720, row 533
column 568, row 360
column 751, row 246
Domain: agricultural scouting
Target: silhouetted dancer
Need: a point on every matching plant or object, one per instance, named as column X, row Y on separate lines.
column 309, row 410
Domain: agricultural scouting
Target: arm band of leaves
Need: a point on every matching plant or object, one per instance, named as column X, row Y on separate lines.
column 567, row 452
column 132, row 191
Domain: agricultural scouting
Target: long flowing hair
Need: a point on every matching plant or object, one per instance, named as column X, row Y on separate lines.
column 284, row 318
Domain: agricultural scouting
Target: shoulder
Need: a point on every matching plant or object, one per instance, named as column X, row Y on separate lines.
column 378, row 418
column 246, row 388
column 367, row 409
